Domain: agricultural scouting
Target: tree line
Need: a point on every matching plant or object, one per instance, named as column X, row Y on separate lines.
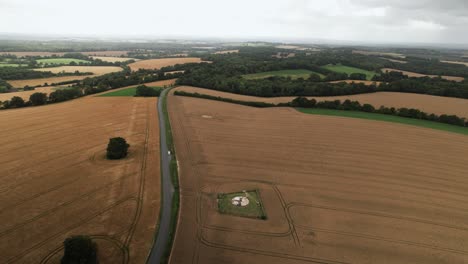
column 38, row 98
column 346, row 105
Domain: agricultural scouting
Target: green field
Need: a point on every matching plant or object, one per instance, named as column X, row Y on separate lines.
column 61, row 61
column 349, row 70
column 124, row 92
column 253, row 210
column 387, row 118
column 294, row 74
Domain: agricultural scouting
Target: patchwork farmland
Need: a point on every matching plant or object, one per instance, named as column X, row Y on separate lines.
column 321, row 197
column 70, row 188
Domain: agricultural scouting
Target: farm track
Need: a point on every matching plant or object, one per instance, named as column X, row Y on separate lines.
column 327, row 183
column 64, row 187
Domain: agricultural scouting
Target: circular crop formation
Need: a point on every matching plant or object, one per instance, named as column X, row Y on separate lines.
column 240, row 201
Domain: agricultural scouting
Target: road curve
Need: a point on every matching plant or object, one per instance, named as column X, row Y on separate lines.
column 167, row 189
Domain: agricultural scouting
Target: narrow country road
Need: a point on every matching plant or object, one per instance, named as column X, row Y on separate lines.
column 167, row 189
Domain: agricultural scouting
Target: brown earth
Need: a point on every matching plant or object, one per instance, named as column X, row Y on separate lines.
column 159, row 63
column 335, row 190
column 427, row 103
column 419, row 75
column 56, row 182
column 96, row 70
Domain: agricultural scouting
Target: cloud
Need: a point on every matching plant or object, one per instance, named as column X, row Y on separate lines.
column 358, row 20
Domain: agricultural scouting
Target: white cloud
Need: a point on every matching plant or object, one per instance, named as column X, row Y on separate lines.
column 361, row 20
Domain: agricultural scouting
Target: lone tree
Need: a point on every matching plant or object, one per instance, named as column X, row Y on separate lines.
column 38, row 98
column 79, row 250
column 117, row 148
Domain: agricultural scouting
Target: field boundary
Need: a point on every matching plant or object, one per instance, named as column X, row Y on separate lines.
column 392, row 118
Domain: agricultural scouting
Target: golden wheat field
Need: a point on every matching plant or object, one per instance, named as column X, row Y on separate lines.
column 96, row 70
column 56, row 181
column 335, row 190
column 427, row 103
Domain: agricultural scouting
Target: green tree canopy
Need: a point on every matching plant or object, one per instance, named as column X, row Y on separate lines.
column 117, row 148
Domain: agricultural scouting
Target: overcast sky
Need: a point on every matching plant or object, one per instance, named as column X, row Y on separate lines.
column 391, row 21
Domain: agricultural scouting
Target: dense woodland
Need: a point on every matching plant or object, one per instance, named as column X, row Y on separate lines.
column 225, row 74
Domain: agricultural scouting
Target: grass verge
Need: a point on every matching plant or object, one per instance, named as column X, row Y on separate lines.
column 253, row 210
column 387, row 118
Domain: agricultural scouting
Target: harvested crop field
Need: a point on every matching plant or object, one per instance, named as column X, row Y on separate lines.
column 159, row 63
column 25, row 94
column 427, row 103
column 456, row 62
column 113, row 59
column 49, row 81
column 419, row 75
column 349, row 191
column 56, row 181
column 96, row 70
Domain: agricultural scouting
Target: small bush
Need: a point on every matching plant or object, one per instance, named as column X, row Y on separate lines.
column 79, row 250
column 117, row 148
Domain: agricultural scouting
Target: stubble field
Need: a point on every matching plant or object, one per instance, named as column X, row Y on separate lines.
column 56, row 182
column 427, row 103
column 335, row 190
column 96, row 70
